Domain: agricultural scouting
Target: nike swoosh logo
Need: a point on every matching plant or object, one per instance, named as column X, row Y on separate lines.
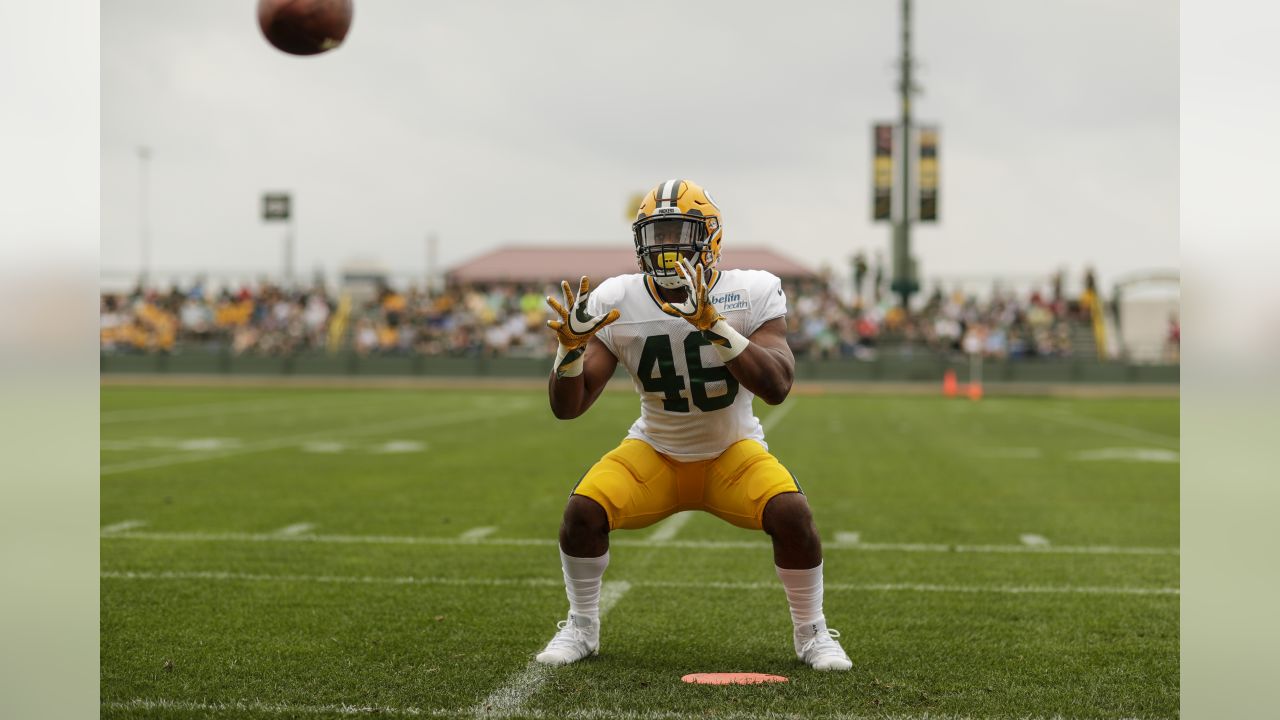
column 715, row 338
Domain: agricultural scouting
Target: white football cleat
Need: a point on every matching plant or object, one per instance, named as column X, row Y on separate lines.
column 818, row 648
column 579, row 637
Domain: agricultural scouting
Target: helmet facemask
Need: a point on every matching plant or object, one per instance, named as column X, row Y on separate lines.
column 663, row 240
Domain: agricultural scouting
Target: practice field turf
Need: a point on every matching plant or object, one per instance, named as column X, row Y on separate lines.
column 319, row 553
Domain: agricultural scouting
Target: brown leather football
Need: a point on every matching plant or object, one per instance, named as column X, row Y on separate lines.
column 305, row 27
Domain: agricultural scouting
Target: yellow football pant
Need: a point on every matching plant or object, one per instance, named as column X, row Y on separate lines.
column 638, row 486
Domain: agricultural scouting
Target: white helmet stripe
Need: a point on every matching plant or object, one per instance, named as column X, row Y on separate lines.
column 668, row 195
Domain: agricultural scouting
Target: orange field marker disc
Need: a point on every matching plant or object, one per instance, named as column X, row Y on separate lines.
column 731, row 678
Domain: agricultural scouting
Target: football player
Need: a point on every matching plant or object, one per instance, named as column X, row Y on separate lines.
column 699, row 343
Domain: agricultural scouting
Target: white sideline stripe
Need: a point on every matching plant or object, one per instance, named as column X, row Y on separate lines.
column 1034, row 540
column 670, row 544
column 477, row 533
column 667, row 529
column 848, row 538
column 662, row 584
column 776, row 416
column 295, row 529
column 122, row 526
column 245, row 706
column 1108, row 428
column 289, row 440
column 509, row 699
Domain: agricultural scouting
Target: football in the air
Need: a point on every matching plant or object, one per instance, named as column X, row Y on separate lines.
column 305, row 27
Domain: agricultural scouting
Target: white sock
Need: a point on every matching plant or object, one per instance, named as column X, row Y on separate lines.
column 582, row 580
column 804, row 594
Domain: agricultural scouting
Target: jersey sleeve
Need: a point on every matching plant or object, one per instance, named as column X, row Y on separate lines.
column 772, row 302
column 601, row 300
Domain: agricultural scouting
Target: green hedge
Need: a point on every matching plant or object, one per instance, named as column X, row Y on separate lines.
column 923, row 368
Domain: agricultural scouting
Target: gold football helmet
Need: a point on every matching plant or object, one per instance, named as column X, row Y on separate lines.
column 677, row 220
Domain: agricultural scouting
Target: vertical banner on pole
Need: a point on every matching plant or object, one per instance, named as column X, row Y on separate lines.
column 275, row 206
column 882, row 172
column 928, row 174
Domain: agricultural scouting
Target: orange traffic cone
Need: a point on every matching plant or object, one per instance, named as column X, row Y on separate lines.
column 949, row 386
column 975, row 390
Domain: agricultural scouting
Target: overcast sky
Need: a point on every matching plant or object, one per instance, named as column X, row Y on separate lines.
column 492, row 123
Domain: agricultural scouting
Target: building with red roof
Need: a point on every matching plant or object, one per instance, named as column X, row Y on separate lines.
column 552, row 263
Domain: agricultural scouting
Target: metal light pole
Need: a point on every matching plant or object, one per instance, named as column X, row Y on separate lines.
column 903, row 280
column 144, row 221
column 289, row 238
column 432, row 243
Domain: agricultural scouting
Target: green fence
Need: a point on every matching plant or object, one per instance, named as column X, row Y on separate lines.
column 924, row 368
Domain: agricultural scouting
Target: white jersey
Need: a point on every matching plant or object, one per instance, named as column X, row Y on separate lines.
column 691, row 406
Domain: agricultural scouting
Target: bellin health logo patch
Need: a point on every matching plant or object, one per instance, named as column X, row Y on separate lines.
column 730, row 300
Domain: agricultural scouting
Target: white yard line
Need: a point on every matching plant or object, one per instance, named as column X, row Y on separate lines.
column 290, row 440
column 667, row 529
column 509, row 699
column 607, row 600
column 241, row 707
column 848, row 538
column 1108, row 428
column 1033, row 540
column 214, row 575
column 670, row 544
column 929, row 588
column 123, row 526
column 478, row 533
column 776, row 416
column 295, row 529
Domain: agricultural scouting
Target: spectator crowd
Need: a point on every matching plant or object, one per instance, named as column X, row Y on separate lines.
column 510, row 320
column 1002, row 326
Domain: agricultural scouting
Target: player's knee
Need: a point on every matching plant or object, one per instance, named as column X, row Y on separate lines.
column 584, row 517
column 787, row 517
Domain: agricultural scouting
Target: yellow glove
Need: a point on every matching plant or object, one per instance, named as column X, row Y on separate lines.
column 696, row 308
column 700, row 313
column 575, row 327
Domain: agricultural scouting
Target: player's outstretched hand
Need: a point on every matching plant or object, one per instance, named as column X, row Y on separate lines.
column 576, row 326
column 697, row 307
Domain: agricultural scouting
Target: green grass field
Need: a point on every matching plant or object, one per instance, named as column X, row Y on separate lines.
column 327, row 552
